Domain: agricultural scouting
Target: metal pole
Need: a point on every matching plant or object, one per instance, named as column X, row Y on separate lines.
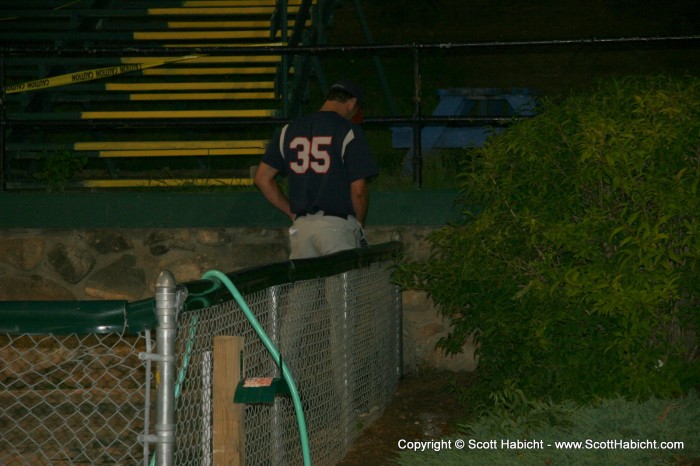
column 284, row 87
column 417, row 127
column 398, row 316
column 375, row 59
column 166, row 311
column 3, row 160
column 147, row 397
column 277, row 440
column 207, row 402
column 346, row 382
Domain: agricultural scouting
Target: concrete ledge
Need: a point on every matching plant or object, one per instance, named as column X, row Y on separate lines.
column 174, row 210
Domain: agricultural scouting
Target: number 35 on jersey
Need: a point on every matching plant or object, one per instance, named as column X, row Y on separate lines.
column 311, row 155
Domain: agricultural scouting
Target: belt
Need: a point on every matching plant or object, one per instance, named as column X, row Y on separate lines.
column 325, row 214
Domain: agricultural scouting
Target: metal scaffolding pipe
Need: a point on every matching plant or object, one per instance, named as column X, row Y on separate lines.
column 166, row 312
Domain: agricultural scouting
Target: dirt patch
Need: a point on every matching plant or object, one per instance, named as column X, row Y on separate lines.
column 424, row 407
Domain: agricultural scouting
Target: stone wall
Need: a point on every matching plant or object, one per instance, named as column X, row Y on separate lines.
column 124, row 264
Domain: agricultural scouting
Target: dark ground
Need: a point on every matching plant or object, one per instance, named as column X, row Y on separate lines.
column 423, row 407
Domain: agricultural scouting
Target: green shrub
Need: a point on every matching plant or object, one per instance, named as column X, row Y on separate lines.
column 57, row 169
column 576, row 263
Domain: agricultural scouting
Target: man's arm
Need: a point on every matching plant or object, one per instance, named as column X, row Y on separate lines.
column 359, row 194
column 266, row 183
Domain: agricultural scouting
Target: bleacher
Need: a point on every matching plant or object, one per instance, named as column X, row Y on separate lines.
column 152, row 99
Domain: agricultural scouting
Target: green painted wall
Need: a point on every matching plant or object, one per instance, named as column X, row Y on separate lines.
column 173, row 210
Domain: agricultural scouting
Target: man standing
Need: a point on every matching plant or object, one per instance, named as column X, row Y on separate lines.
column 328, row 163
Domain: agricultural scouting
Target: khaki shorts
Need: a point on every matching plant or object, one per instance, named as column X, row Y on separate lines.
column 318, row 235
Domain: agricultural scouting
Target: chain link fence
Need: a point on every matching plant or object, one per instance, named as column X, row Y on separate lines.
column 68, row 398
column 340, row 337
column 72, row 400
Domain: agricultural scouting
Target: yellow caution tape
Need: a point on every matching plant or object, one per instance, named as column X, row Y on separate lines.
column 88, row 75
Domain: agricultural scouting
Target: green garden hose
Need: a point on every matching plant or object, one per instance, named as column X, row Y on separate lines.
column 215, row 274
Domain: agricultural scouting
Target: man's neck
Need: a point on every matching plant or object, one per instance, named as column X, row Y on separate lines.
column 337, row 107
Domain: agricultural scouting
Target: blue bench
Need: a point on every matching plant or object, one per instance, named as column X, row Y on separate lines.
column 465, row 102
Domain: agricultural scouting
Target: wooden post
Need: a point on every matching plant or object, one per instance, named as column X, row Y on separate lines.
column 228, row 419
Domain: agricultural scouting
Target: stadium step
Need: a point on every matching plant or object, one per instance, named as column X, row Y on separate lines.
column 145, row 148
column 137, row 91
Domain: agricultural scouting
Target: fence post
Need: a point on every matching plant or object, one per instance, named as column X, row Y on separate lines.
column 346, row 343
column 277, row 440
column 3, row 160
column 417, row 125
column 398, row 316
column 229, row 418
column 166, row 311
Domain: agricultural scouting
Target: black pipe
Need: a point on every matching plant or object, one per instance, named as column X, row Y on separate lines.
column 2, row 123
column 272, row 50
column 417, row 127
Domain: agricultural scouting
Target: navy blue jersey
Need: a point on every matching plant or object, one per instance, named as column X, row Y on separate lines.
column 321, row 153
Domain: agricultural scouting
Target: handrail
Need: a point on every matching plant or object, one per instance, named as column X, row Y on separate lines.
column 312, row 49
column 375, row 59
column 416, row 120
column 291, row 93
column 301, row 63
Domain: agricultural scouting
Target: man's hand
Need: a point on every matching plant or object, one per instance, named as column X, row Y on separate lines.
column 363, row 239
column 359, row 195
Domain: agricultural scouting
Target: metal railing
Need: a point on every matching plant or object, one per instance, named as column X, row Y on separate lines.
column 416, row 120
column 78, row 386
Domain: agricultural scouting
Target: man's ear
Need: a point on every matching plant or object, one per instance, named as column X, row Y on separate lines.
column 358, row 117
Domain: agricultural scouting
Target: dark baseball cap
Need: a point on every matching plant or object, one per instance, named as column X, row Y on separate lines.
column 351, row 88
